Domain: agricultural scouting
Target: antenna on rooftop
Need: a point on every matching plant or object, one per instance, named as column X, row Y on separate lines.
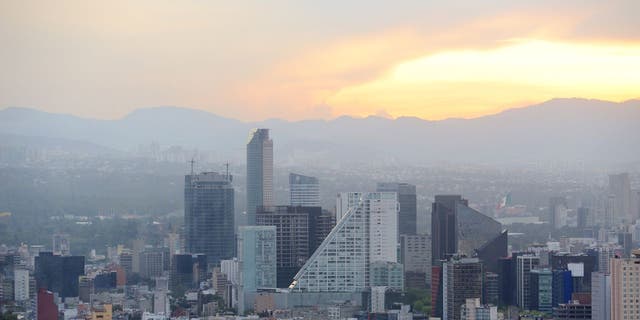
column 192, row 162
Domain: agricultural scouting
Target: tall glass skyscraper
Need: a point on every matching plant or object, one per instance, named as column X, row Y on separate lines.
column 209, row 215
column 259, row 172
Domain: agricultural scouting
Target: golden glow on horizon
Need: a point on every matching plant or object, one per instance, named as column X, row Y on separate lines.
column 469, row 83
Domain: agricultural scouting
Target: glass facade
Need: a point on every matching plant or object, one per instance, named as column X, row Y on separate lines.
column 257, row 257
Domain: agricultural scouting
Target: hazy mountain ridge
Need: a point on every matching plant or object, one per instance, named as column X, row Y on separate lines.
column 559, row 129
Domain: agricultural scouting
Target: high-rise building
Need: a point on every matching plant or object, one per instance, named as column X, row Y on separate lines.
column 300, row 230
column 257, row 254
column 152, row 262
column 187, row 270
column 583, row 217
column 620, row 188
column 59, row 274
column 581, row 267
column 304, row 190
column 209, row 215
column 416, row 258
column 20, row 284
column 558, row 212
column 462, row 280
column 491, row 252
column 444, row 224
column 365, row 234
column 408, row 213
column 524, row 265
column 259, row 172
column 625, row 287
column 491, row 288
column 600, row 296
column 541, row 290
column 61, row 244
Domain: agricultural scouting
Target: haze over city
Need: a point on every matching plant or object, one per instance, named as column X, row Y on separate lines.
column 441, row 160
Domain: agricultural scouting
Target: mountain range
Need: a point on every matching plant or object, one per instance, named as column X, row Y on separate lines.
column 571, row 130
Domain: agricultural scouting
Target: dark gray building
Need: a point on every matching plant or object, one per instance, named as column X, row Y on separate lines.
column 59, row 274
column 209, row 215
column 259, row 172
column 299, row 232
column 444, row 233
column 407, row 217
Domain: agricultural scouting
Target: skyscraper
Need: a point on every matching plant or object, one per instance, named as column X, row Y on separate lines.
column 625, row 284
column 300, row 230
column 620, row 188
column 600, row 296
column 259, row 172
column 416, row 259
column 558, row 212
column 304, row 190
column 524, row 265
column 461, row 280
column 59, row 274
column 444, row 234
column 209, row 215
column 364, row 234
column 408, row 205
column 257, row 257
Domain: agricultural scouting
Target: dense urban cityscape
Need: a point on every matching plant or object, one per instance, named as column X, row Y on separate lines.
column 368, row 256
column 320, row 160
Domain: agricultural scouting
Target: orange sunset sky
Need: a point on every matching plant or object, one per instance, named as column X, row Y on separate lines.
column 254, row 60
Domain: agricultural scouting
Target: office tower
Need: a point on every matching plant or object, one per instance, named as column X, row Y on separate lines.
column 408, row 213
column 257, row 257
column 20, row 284
column 620, row 188
column 126, row 262
column 626, row 242
column 473, row 310
column 524, row 265
column 562, row 286
column 474, row 229
column 47, row 309
column 558, row 212
column 153, row 262
column 259, row 172
column 583, row 217
column 209, row 215
column 300, row 230
column 507, row 281
column 365, row 233
column 491, row 252
column 462, row 280
column 85, row 289
column 137, row 246
column 541, row 290
column 386, row 274
column 600, row 296
column 187, row 270
column 444, row 234
column 304, row 190
column 59, row 274
column 581, row 267
column 491, row 288
column 625, row 284
column 105, row 281
column 61, row 245
column 415, row 256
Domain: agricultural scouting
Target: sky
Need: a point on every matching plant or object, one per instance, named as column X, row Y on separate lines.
column 254, row 60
